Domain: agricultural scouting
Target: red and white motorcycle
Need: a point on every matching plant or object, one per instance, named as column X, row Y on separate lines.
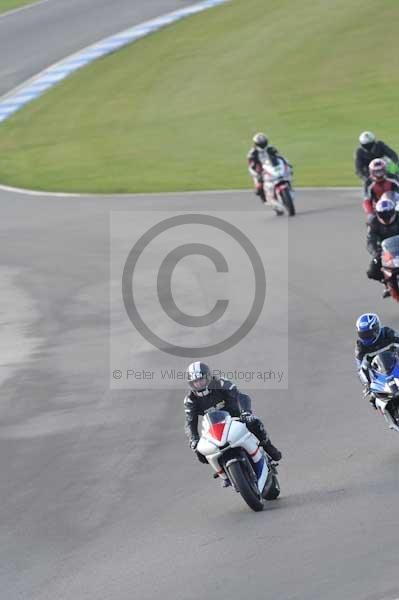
column 234, row 453
column 277, row 177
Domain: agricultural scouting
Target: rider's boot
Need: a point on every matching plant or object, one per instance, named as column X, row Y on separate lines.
column 271, row 450
column 386, row 293
column 225, row 480
column 259, row 191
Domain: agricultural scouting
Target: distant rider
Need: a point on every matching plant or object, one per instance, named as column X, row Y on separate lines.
column 377, row 184
column 207, row 391
column 372, row 339
column 258, row 154
column 383, row 225
column 369, row 149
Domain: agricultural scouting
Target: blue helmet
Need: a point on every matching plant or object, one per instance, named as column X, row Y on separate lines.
column 368, row 327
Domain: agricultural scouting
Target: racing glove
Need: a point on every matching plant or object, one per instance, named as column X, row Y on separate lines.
column 247, row 417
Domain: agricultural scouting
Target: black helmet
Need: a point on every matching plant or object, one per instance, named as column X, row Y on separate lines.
column 199, row 377
column 260, row 140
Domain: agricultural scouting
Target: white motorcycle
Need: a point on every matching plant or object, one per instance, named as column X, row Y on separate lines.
column 234, row 454
column 277, row 177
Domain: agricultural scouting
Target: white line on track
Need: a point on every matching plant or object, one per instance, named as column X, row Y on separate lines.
column 9, row 13
column 26, row 192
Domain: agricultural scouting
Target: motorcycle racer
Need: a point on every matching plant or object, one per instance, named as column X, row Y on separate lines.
column 377, row 184
column 368, row 150
column 258, row 154
column 372, row 339
column 384, row 224
column 207, row 391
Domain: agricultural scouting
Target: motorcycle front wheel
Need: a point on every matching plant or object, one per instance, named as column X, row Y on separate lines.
column 287, row 200
column 237, row 471
column 393, row 409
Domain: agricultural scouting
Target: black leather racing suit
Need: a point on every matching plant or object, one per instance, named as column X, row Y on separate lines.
column 223, row 394
column 377, row 233
column 364, row 157
column 365, row 353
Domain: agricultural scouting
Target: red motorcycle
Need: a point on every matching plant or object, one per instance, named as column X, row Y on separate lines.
column 390, row 265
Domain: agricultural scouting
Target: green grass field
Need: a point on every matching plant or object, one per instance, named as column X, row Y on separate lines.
column 177, row 110
column 6, row 5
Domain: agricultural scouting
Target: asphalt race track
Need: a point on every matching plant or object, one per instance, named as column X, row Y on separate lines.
column 101, row 498
column 35, row 38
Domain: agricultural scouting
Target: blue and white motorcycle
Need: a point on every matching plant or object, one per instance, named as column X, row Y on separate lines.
column 384, row 385
column 235, row 455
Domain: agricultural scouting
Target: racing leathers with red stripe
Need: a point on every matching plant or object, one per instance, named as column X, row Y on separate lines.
column 373, row 190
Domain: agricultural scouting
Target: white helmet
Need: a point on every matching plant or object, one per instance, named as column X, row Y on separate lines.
column 367, row 138
column 385, row 209
column 378, row 169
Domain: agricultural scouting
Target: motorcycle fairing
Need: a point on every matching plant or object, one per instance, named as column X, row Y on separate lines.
column 381, row 404
column 275, row 172
column 380, row 381
column 236, row 435
column 380, row 384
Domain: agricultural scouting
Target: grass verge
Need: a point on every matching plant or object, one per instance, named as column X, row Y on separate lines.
column 176, row 111
column 6, row 5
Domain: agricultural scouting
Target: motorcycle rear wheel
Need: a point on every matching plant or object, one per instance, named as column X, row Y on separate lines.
column 239, row 476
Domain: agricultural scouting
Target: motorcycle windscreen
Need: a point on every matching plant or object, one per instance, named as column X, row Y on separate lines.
column 217, row 421
column 390, row 252
column 385, row 362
